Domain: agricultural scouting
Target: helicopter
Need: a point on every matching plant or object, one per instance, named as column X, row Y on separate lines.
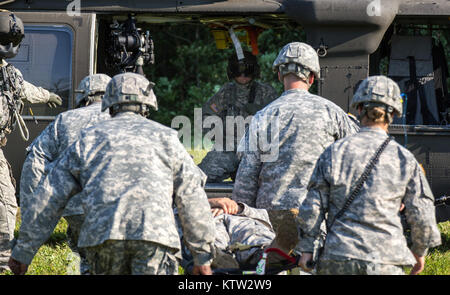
column 68, row 40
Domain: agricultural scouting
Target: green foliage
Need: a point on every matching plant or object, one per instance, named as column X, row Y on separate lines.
column 189, row 68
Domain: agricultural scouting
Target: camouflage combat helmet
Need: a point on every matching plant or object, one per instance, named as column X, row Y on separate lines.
column 91, row 88
column 247, row 66
column 129, row 88
column 11, row 34
column 379, row 90
column 299, row 59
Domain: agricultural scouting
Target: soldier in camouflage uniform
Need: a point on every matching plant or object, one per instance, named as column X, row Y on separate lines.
column 130, row 172
column 59, row 135
column 244, row 233
column 14, row 92
column 243, row 97
column 368, row 237
column 307, row 124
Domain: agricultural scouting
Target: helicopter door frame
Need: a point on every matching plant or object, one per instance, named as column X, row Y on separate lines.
column 82, row 64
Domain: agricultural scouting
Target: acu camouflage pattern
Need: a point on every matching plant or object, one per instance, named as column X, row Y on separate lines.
column 91, row 88
column 49, row 145
column 43, row 153
column 357, row 267
column 299, row 59
column 250, row 227
column 8, row 209
column 238, row 238
column 131, row 172
column 307, row 125
column 129, row 88
column 380, row 89
column 370, row 229
column 232, row 100
column 73, row 232
column 20, row 90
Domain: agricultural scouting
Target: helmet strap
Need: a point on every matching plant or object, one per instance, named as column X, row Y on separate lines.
column 285, row 70
column 389, row 117
column 140, row 109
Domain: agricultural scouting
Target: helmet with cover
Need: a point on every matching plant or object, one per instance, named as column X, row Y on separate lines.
column 299, row 59
column 129, row 89
column 379, row 91
column 91, row 88
column 12, row 33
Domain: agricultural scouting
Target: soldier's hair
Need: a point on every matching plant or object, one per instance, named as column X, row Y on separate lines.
column 377, row 115
column 90, row 100
column 294, row 77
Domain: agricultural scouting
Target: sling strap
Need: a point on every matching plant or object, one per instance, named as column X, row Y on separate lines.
column 373, row 161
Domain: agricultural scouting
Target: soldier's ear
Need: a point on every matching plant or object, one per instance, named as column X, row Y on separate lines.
column 311, row 79
column 279, row 77
column 359, row 108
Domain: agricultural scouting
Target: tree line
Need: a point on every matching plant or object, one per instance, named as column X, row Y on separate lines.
column 189, row 68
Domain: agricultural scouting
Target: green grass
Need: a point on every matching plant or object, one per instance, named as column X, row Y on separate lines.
column 438, row 259
column 55, row 258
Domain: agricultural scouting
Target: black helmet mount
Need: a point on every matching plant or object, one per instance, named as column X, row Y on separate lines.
column 11, row 34
column 248, row 66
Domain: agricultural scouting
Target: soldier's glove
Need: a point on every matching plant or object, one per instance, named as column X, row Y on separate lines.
column 54, row 100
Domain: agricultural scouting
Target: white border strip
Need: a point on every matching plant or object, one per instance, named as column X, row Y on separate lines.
column 92, row 44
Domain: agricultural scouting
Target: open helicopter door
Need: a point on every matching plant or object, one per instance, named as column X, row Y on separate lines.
column 421, row 129
column 411, row 66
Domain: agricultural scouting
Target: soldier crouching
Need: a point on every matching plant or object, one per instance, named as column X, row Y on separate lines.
column 131, row 172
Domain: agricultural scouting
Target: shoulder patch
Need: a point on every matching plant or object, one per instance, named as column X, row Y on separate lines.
column 353, row 118
column 423, row 169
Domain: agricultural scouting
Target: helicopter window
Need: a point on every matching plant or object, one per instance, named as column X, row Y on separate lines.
column 45, row 60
